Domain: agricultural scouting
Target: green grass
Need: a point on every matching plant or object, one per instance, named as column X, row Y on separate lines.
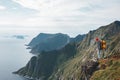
column 112, row 72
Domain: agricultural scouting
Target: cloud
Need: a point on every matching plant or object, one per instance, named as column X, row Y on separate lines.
column 32, row 4
column 2, row 7
column 67, row 9
column 70, row 16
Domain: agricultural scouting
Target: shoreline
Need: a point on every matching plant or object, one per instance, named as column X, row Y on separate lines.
column 26, row 77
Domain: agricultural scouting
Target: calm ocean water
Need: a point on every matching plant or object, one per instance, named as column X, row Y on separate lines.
column 13, row 56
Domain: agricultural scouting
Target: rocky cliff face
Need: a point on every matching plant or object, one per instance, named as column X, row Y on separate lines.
column 65, row 64
column 46, row 63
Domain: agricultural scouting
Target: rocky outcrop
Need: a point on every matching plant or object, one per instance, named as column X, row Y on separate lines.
column 88, row 69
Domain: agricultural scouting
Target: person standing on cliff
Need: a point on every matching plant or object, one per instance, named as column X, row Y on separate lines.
column 101, row 47
column 98, row 41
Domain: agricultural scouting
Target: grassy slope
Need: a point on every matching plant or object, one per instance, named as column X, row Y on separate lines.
column 109, row 69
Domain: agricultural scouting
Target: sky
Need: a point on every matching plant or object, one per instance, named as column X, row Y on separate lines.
column 71, row 17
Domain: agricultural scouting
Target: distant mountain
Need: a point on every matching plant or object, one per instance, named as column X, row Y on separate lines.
column 77, row 38
column 39, row 39
column 48, row 42
column 19, row 36
column 65, row 64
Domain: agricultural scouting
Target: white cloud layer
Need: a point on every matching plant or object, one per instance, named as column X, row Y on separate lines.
column 2, row 7
column 70, row 16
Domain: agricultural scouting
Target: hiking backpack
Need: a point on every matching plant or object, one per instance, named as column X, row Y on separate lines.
column 103, row 44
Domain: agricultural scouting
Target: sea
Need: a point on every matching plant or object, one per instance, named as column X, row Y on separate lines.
column 13, row 56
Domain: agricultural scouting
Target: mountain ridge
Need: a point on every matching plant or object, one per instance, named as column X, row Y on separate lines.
column 67, row 61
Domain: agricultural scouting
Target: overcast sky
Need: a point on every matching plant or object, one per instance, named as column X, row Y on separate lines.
column 67, row 16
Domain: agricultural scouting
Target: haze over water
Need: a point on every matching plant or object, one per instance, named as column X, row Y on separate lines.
column 13, row 56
